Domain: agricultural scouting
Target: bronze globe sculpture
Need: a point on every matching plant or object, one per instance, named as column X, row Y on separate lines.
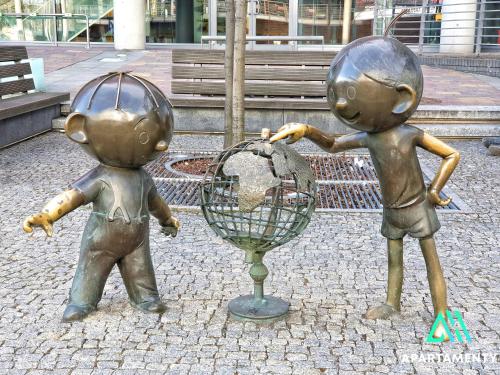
column 258, row 196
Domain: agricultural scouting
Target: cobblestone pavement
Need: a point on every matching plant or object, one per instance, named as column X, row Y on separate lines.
column 68, row 68
column 331, row 274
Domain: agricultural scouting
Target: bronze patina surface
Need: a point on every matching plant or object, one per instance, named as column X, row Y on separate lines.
column 374, row 86
column 257, row 196
column 124, row 122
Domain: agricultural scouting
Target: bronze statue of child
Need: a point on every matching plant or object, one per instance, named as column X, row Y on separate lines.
column 374, row 86
column 123, row 121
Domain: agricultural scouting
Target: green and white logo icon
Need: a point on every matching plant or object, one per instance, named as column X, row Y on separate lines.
column 455, row 323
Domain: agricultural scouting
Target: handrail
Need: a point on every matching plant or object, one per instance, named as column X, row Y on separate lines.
column 55, row 15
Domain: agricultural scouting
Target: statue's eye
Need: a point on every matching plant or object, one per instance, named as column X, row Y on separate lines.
column 143, row 138
column 351, row 92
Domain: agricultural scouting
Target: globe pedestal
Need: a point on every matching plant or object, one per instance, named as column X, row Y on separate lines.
column 257, row 306
column 257, row 196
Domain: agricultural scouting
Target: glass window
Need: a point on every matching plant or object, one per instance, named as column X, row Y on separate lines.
column 160, row 21
column 162, row 17
column 321, row 17
column 325, row 18
column 271, row 19
column 362, row 19
column 42, row 28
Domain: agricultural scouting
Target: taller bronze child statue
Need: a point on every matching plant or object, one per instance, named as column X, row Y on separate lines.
column 124, row 122
column 374, row 85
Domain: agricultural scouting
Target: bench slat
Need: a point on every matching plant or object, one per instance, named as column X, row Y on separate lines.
column 14, row 70
column 275, row 89
column 14, row 87
column 317, row 58
column 180, row 101
column 251, row 73
column 13, row 53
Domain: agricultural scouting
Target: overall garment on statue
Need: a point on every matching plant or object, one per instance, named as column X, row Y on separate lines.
column 117, row 233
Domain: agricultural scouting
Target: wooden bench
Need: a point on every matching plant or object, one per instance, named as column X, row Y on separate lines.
column 24, row 112
column 273, row 79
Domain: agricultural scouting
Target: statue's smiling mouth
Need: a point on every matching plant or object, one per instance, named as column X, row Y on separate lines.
column 353, row 118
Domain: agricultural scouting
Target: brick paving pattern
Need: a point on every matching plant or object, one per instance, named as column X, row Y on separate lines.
column 331, row 274
column 56, row 58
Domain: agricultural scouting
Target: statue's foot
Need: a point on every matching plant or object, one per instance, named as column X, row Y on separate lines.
column 494, row 150
column 74, row 313
column 383, row 311
column 155, row 306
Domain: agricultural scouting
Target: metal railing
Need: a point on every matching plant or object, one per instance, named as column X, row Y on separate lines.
column 55, row 16
column 453, row 26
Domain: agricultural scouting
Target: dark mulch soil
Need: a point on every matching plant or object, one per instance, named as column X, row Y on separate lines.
column 324, row 167
column 196, row 167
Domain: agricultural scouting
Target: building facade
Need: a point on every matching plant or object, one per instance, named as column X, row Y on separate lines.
column 449, row 26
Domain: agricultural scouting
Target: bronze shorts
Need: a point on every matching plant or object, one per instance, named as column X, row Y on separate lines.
column 419, row 220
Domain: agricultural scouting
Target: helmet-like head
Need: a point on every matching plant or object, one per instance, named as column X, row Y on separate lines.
column 121, row 119
column 374, row 84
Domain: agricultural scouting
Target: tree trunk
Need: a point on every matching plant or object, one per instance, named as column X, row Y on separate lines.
column 239, row 70
column 228, row 68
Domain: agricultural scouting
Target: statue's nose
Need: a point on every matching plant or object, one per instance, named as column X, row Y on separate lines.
column 341, row 104
column 161, row 146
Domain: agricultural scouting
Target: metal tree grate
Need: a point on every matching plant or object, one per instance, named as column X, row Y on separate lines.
column 345, row 182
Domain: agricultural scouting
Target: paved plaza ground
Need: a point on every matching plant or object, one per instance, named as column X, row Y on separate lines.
column 68, row 68
column 331, row 274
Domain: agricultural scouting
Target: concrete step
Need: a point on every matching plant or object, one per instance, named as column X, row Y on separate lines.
column 58, row 123
column 443, row 121
column 463, row 122
column 457, row 113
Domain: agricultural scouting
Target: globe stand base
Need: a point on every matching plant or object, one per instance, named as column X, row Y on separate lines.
column 266, row 310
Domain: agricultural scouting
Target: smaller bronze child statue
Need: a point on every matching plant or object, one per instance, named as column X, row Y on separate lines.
column 124, row 122
column 374, row 86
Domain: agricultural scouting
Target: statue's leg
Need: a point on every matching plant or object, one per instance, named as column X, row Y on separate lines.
column 437, row 284
column 138, row 275
column 394, row 282
column 93, row 269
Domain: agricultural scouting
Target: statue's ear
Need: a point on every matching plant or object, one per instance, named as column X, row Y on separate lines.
column 407, row 99
column 75, row 127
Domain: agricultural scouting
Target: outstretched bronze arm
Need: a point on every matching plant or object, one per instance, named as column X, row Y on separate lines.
column 54, row 210
column 159, row 209
column 450, row 156
column 296, row 131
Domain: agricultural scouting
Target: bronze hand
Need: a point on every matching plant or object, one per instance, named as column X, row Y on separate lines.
column 293, row 131
column 159, row 209
column 53, row 211
column 170, row 227
column 450, row 156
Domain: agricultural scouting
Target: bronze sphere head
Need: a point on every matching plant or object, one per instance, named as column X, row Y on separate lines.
column 374, row 84
column 121, row 119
